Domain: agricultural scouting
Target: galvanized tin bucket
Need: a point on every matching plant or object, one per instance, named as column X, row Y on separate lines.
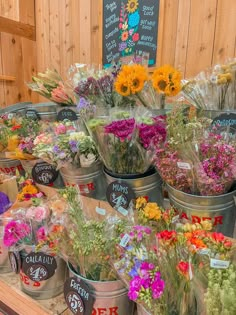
column 45, row 289
column 15, row 108
column 9, row 166
column 148, row 184
column 28, row 166
column 219, row 210
column 141, row 310
column 4, row 260
column 110, row 296
column 90, row 180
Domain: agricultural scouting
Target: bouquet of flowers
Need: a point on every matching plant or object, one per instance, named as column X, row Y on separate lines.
column 135, row 262
column 66, row 147
column 95, row 86
column 215, row 89
column 88, row 238
column 123, row 140
column 28, row 190
column 50, row 85
column 134, row 83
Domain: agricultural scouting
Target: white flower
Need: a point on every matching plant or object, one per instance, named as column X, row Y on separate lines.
column 77, row 136
column 86, row 161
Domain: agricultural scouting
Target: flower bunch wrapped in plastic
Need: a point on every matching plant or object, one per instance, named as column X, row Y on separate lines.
column 135, row 262
column 134, row 83
column 215, row 89
column 123, row 140
column 28, row 190
column 89, row 238
column 149, row 213
column 94, row 86
column 51, row 85
column 66, row 146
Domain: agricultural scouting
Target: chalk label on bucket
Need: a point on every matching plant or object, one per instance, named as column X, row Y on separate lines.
column 44, row 173
column 78, row 296
column 119, row 195
column 66, row 113
column 39, row 266
column 15, row 261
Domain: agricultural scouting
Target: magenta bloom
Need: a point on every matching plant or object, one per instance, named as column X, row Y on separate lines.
column 15, row 232
column 122, row 129
column 41, row 234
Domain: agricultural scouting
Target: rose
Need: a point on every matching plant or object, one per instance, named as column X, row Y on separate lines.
column 38, row 213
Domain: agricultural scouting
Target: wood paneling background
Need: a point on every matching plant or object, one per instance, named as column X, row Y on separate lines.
column 193, row 35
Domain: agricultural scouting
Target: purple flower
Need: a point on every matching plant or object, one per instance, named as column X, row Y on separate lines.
column 56, row 149
column 83, row 104
column 73, row 146
column 122, row 129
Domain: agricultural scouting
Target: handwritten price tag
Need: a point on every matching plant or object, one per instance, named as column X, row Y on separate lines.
column 75, row 303
column 38, row 273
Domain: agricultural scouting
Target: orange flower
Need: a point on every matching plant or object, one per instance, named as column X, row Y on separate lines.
column 124, row 36
column 198, row 243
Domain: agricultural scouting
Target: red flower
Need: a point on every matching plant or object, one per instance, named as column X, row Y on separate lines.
column 135, row 37
column 228, row 243
column 218, row 237
column 169, row 236
column 15, row 127
column 183, row 268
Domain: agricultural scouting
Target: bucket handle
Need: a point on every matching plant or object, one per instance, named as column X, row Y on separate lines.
column 234, row 199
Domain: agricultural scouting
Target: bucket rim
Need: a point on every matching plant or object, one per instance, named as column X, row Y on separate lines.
column 200, row 197
column 70, row 267
column 149, row 172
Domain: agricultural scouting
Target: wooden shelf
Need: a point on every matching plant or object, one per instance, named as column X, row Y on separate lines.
column 15, row 302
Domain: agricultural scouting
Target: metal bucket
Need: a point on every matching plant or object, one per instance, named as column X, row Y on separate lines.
column 45, row 289
column 219, row 210
column 148, row 184
column 9, row 166
column 90, row 180
column 4, row 260
column 110, row 296
column 28, row 166
column 45, row 111
column 141, row 310
column 15, row 108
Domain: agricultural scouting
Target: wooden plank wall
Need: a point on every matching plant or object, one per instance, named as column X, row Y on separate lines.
column 17, row 53
column 193, row 35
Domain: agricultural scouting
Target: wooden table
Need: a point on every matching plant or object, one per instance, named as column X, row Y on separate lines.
column 15, row 302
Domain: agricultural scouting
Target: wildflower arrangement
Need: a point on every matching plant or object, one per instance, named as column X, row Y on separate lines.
column 135, row 262
column 51, row 85
column 213, row 90
column 195, row 159
column 66, row 147
column 133, row 82
column 123, row 141
column 88, row 241
column 95, row 86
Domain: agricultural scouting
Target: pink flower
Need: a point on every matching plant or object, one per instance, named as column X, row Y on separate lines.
column 15, row 232
column 37, row 213
column 60, row 129
column 41, row 234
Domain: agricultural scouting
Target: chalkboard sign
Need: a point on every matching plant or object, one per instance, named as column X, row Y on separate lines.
column 78, row 297
column 32, row 114
column 226, row 122
column 68, row 114
column 44, row 173
column 129, row 27
column 39, row 266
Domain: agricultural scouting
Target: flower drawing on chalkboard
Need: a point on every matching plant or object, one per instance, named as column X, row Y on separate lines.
column 132, row 6
column 128, row 25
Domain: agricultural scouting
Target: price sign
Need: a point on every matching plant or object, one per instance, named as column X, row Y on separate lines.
column 78, row 297
column 119, row 195
column 68, row 114
column 15, row 261
column 32, row 114
column 44, row 173
column 225, row 123
column 39, row 266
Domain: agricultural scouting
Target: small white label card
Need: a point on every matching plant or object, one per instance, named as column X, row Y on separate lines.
column 184, row 166
column 219, row 264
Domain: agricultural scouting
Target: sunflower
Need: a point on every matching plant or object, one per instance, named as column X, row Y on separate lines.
column 122, row 86
column 132, row 6
column 136, row 83
column 167, row 80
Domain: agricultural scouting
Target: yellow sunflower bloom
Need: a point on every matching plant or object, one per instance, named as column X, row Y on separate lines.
column 167, row 79
column 132, row 6
column 136, row 83
column 122, row 86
